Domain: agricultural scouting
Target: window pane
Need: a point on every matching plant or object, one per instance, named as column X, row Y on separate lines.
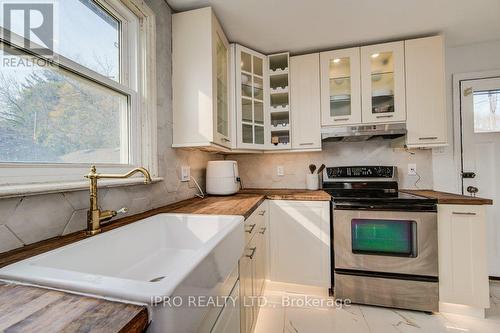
column 49, row 115
column 85, row 33
column 487, row 111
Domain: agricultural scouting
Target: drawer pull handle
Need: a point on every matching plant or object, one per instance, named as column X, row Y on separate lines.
column 306, row 144
column 263, row 230
column 250, row 230
column 253, row 249
column 386, row 116
column 464, row 213
column 428, row 138
column 340, row 119
column 262, row 213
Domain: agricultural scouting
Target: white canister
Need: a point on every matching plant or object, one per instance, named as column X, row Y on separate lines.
column 312, row 181
column 222, row 177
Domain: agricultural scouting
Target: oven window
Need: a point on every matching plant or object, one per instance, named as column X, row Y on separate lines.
column 384, row 237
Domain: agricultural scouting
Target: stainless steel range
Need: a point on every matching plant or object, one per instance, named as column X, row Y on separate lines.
column 385, row 249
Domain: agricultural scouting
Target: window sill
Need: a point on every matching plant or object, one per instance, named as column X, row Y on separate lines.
column 10, row 191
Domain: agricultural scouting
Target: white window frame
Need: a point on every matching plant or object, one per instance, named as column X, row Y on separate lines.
column 138, row 83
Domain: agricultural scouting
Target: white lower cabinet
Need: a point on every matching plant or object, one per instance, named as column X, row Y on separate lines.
column 300, row 242
column 253, row 267
column 463, row 270
column 229, row 319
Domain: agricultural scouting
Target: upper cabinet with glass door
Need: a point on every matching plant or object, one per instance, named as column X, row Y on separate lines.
column 340, row 87
column 201, row 81
column 250, row 94
column 222, row 118
column 383, row 83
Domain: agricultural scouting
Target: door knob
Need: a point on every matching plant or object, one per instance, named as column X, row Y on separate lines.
column 472, row 190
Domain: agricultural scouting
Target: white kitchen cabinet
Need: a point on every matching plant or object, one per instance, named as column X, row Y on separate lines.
column 247, row 273
column 251, row 98
column 300, row 242
column 340, row 87
column 253, row 266
column 383, row 83
column 229, row 318
column 425, row 92
column 463, row 271
column 305, row 101
column 200, row 79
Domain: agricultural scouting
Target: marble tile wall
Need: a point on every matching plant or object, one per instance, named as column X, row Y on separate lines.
column 260, row 170
column 30, row 219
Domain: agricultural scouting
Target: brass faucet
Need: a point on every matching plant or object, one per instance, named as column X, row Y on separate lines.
column 94, row 215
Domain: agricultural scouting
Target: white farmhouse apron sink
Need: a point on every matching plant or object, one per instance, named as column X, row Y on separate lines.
column 160, row 256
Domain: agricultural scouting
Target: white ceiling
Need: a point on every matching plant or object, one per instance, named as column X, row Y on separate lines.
column 299, row 26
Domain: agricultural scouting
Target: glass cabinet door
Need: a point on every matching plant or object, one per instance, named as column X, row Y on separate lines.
column 250, row 98
column 383, row 82
column 222, row 87
column 340, row 87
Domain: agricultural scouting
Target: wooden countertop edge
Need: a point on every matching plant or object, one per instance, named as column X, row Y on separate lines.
column 446, row 198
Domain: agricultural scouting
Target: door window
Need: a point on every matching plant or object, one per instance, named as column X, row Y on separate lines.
column 486, row 111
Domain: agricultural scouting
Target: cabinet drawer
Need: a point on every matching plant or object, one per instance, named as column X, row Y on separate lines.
column 255, row 222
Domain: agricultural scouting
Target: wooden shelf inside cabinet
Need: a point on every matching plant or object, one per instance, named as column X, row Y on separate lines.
column 278, row 71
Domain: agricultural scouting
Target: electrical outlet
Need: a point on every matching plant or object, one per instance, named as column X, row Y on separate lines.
column 185, row 173
column 412, row 169
column 280, row 170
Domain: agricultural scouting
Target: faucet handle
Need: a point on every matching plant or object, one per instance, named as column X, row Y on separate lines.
column 122, row 210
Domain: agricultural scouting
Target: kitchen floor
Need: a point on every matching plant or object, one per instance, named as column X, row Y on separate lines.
column 306, row 318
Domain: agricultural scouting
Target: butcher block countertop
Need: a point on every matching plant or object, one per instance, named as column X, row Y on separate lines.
column 445, row 198
column 32, row 309
column 29, row 309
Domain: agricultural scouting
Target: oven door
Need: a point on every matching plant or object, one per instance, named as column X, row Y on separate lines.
column 386, row 241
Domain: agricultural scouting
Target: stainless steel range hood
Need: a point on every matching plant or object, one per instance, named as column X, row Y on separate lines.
column 363, row 132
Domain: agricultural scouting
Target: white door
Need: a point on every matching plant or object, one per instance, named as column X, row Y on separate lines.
column 480, row 100
column 383, row 83
column 340, row 87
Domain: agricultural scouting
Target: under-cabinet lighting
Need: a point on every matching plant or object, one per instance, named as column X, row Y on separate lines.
column 336, row 60
column 375, row 55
